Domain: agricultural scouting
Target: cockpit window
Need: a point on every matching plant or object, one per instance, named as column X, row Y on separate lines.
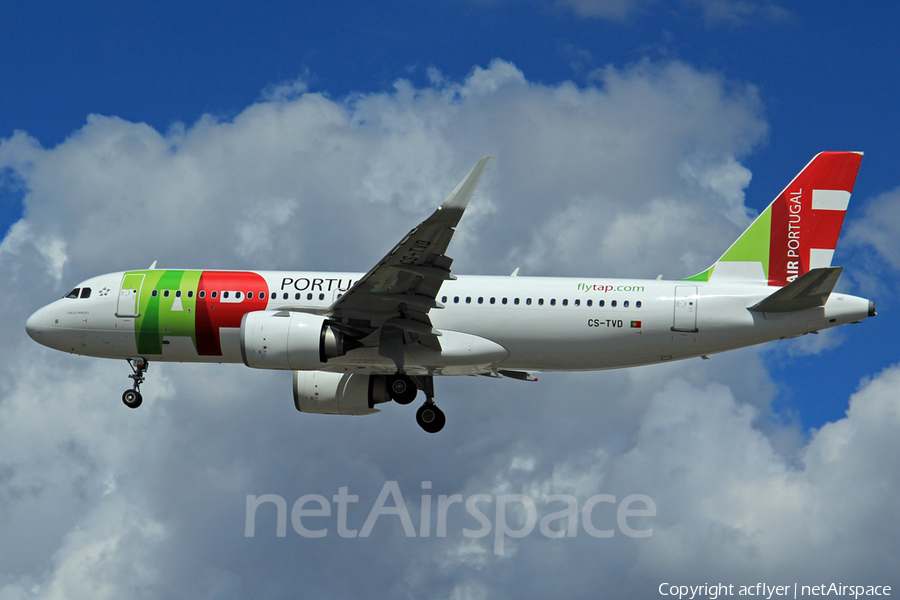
column 73, row 293
column 85, row 292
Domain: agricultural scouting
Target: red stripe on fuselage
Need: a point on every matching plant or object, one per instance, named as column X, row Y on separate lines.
column 214, row 313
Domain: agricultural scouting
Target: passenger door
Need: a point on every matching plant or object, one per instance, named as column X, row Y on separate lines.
column 129, row 295
column 685, row 308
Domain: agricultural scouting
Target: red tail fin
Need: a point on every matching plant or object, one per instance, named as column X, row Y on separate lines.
column 798, row 231
column 807, row 216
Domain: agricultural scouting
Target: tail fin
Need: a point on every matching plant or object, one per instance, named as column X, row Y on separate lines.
column 798, row 231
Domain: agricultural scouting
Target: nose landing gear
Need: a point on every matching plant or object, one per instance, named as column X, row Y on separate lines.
column 132, row 398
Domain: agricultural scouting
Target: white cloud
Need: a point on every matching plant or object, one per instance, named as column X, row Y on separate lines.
column 645, row 138
column 604, row 9
column 879, row 228
column 51, row 248
column 714, row 12
column 638, row 173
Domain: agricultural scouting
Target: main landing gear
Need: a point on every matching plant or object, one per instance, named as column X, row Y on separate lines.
column 430, row 417
column 132, row 398
column 403, row 389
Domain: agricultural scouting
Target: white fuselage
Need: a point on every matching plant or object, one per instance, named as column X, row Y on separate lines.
column 542, row 324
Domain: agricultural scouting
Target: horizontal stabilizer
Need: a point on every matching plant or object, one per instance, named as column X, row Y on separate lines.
column 807, row 291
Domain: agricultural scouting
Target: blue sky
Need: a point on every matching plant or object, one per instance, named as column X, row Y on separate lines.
column 631, row 137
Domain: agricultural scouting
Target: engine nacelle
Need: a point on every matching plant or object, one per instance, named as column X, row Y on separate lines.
column 339, row 393
column 288, row 340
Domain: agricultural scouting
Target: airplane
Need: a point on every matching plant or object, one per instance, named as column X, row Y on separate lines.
column 357, row 340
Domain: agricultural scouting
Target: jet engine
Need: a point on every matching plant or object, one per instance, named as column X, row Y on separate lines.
column 290, row 340
column 339, row 393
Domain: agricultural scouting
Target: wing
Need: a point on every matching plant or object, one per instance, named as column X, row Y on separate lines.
column 388, row 307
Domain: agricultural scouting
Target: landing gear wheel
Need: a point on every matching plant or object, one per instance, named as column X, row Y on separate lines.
column 402, row 389
column 430, row 417
column 132, row 398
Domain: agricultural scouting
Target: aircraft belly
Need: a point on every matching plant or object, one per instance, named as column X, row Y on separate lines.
column 460, row 354
column 570, row 339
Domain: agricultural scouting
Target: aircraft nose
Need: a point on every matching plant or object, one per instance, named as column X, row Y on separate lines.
column 34, row 326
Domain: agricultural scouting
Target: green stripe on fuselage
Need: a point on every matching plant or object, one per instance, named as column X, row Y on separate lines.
column 162, row 315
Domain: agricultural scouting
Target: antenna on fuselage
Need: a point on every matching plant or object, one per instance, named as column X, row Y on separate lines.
column 515, row 273
column 153, row 266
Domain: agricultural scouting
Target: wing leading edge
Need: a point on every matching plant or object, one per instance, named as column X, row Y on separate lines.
column 388, row 307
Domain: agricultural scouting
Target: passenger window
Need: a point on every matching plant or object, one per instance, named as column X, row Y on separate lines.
column 493, row 300
column 274, row 295
column 155, row 293
column 613, row 303
column 565, row 302
column 503, row 301
column 552, row 301
column 480, row 300
column 178, row 293
column 224, row 295
column 468, row 299
column 637, row 304
column 540, row 301
column 190, row 293
column 74, row 293
column 297, row 296
column 577, row 302
column 602, row 303
column 85, row 292
column 250, row 296
column 625, row 304
column 286, row 295
column 309, row 296
column 214, row 295
column 516, row 301
column 443, row 299
column 590, row 303
column 202, row 293
column 321, row 296
column 455, row 299
column 528, row 301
